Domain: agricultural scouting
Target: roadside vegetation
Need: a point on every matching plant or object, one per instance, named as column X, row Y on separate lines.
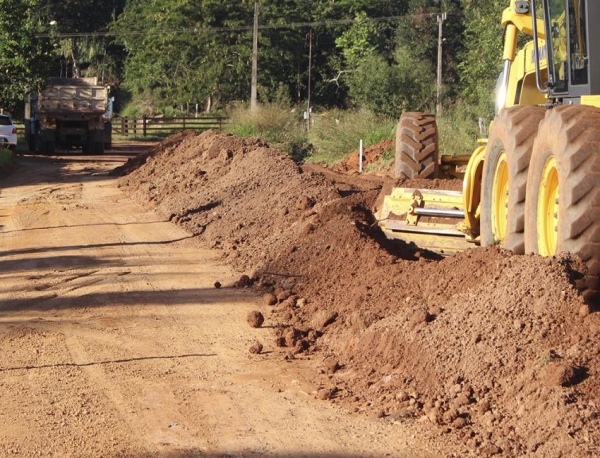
column 327, row 137
column 6, row 156
column 332, row 134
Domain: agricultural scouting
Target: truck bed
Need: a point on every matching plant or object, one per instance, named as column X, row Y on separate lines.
column 69, row 99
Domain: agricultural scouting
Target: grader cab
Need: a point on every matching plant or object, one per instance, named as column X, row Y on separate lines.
column 534, row 185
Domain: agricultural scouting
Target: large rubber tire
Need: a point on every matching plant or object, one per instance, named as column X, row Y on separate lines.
column 40, row 146
column 87, row 148
column 50, row 148
column 563, row 190
column 107, row 135
column 416, row 146
column 98, row 148
column 505, row 177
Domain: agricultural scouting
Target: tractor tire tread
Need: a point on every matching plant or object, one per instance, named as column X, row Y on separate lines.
column 514, row 131
column 416, row 146
column 573, row 134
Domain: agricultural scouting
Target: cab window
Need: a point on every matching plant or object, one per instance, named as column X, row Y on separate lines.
column 578, row 42
column 558, row 39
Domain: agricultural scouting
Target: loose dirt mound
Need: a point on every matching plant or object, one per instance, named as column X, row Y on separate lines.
column 493, row 352
column 373, row 157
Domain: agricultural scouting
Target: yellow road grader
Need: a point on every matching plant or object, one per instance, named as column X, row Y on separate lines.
column 534, row 185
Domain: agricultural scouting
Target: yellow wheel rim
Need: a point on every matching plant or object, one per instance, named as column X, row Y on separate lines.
column 547, row 211
column 472, row 188
column 500, row 199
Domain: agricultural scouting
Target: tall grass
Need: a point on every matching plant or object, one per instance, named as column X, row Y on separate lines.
column 272, row 122
column 6, row 156
column 458, row 129
column 336, row 133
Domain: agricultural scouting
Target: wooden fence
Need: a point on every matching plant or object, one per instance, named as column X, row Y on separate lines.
column 145, row 126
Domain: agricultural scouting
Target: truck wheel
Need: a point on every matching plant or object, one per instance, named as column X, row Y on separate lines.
column 40, row 146
column 108, row 135
column 87, row 148
column 563, row 190
column 416, row 146
column 98, row 148
column 505, row 177
column 50, row 148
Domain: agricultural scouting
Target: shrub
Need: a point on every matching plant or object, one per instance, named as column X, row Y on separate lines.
column 6, row 156
column 274, row 122
column 458, row 129
column 334, row 134
column 389, row 89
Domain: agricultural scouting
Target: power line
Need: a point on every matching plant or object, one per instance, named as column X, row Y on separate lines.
column 243, row 28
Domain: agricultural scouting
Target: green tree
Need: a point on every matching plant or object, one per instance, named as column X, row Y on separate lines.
column 391, row 88
column 481, row 59
column 79, row 50
column 25, row 59
column 356, row 42
column 418, row 33
column 180, row 52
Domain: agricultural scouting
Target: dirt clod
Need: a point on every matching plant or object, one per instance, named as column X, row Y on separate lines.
column 459, row 423
column 332, row 365
column 255, row 319
column 561, row 373
column 490, row 450
column 325, row 393
column 269, row 299
column 280, row 342
column 282, row 296
column 243, row 282
column 256, row 348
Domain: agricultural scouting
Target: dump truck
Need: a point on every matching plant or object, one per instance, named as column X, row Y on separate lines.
column 69, row 113
column 533, row 186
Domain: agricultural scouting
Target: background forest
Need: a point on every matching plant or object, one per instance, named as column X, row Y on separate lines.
column 376, row 57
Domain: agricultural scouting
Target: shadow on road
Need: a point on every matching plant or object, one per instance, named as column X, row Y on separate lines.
column 83, row 247
column 110, row 361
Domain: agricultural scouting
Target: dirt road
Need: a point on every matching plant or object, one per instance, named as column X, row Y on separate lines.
column 115, row 342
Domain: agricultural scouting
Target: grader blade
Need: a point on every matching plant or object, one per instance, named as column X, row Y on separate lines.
column 431, row 219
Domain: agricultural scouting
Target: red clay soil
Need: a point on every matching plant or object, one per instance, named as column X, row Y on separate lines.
column 374, row 164
column 495, row 353
column 374, row 154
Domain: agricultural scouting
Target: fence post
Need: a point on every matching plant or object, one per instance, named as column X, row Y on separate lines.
column 184, row 123
column 144, row 125
column 124, row 130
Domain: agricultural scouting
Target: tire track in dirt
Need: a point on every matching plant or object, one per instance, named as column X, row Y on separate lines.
column 151, row 405
column 152, row 359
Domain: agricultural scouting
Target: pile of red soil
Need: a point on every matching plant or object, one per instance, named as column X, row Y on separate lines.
column 495, row 353
column 372, row 155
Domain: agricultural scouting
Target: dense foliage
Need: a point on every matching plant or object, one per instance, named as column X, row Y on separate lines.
column 166, row 55
column 24, row 59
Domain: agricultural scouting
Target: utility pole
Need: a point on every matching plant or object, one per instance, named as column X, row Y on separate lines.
column 438, row 100
column 253, row 88
column 310, row 39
